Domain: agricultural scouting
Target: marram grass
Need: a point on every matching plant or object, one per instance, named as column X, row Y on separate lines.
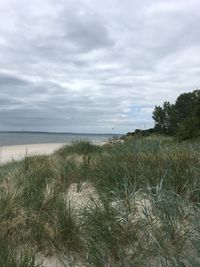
column 142, row 209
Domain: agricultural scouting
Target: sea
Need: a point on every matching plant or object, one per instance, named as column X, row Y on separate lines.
column 23, row 138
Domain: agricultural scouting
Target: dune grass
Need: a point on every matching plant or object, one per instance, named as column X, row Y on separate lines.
column 144, row 209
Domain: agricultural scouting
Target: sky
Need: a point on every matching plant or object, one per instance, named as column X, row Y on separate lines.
column 93, row 66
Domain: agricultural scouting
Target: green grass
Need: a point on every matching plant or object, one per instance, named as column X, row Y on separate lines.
column 64, row 228
column 144, row 209
column 79, row 148
column 9, row 257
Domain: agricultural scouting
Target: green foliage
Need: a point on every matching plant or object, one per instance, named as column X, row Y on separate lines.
column 11, row 258
column 137, row 203
column 64, row 227
column 159, row 118
column 32, row 179
column 181, row 119
column 79, row 148
column 104, row 234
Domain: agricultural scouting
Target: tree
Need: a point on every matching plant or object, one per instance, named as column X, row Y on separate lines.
column 170, row 118
column 159, row 118
column 185, row 105
column 182, row 118
column 165, row 118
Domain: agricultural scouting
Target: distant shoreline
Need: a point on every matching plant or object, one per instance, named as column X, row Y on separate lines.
column 23, row 138
column 72, row 133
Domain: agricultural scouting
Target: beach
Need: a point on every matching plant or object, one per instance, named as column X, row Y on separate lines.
column 17, row 152
column 54, row 208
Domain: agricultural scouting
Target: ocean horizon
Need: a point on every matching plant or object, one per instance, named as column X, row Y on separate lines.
column 8, row 138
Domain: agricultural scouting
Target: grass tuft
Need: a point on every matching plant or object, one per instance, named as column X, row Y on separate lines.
column 143, row 210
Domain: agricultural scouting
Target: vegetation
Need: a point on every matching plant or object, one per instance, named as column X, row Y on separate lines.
column 135, row 203
column 181, row 119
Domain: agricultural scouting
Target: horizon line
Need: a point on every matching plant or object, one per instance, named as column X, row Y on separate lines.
column 6, row 131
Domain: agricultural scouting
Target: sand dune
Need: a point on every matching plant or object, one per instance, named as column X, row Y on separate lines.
column 17, row 152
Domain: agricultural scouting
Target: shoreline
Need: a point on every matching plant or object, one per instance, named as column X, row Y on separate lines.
column 18, row 152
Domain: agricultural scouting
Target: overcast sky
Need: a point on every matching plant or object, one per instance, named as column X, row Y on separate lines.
column 93, row 65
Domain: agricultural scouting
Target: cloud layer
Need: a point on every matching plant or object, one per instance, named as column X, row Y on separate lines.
column 91, row 66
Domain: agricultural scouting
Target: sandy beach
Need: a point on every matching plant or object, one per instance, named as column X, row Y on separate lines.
column 17, row 152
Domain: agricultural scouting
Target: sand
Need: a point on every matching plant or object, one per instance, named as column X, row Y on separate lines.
column 17, row 152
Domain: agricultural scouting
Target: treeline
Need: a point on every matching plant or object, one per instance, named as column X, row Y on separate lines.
column 140, row 132
column 181, row 119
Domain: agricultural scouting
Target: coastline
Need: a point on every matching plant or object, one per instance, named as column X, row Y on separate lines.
column 18, row 152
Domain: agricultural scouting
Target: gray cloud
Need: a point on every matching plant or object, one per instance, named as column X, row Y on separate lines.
column 89, row 66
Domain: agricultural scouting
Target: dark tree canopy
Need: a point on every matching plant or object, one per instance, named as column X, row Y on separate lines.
column 181, row 119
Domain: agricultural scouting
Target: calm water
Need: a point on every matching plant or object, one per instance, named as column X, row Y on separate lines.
column 20, row 138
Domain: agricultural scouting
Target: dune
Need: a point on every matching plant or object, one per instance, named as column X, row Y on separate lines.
column 17, row 152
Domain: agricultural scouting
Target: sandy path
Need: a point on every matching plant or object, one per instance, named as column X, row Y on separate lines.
column 8, row 153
